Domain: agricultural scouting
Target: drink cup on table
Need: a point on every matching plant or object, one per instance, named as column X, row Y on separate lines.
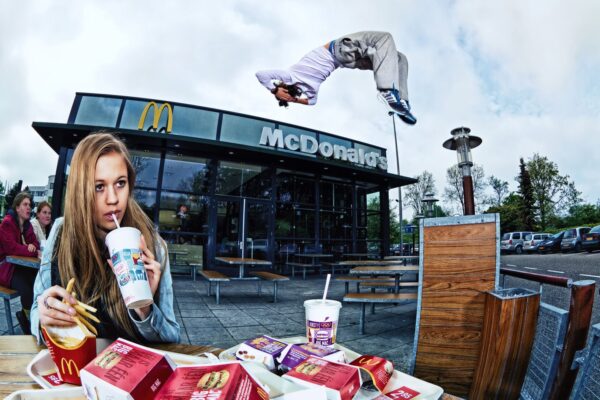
column 126, row 256
column 321, row 321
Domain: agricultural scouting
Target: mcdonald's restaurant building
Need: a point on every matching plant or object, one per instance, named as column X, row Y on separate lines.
column 253, row 187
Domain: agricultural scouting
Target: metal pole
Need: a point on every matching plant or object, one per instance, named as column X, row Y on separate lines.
column 399, row 187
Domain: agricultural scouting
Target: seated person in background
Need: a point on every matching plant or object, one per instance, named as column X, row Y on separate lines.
column 17, row 238
column 101, row 185
column 42, row 223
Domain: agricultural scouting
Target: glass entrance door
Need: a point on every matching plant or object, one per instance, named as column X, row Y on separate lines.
column 243, row 227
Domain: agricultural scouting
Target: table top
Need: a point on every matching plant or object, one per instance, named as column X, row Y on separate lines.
column 17, row 351
column 241, row 260
column 384, row 270
column 370, row 262
column 31, row 262
column 313, row 255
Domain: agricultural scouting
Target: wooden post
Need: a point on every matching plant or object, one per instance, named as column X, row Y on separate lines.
column 508, row 332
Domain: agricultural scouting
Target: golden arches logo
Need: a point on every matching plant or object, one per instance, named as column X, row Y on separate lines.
column 367, row 361
column 68, row 365
column 157, row 113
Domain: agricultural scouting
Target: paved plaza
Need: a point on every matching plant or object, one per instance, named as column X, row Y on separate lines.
column 242, row 315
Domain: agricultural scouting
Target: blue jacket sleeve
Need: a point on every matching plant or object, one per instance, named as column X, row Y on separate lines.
column 160, row 325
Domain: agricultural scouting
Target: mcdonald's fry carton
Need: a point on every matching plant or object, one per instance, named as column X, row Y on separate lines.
column 375, row 369
column 228, row 381
column 71, row 349
column 340, row 381
column 125, row 370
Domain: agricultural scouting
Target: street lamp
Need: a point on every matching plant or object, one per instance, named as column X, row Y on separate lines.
column 391, row 114
column 429, row 201
column 462, row 142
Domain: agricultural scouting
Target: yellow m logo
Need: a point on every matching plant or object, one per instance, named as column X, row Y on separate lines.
column 363, row 361
column 68, row 365
column 157, row 114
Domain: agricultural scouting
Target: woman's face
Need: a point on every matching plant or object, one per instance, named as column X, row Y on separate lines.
column 44, row 216
column 112, row 190
column 24, row 210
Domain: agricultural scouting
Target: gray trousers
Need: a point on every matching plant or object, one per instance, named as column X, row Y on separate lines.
column 374, row 51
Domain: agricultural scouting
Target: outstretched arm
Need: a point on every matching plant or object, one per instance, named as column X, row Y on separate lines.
column 269, row 78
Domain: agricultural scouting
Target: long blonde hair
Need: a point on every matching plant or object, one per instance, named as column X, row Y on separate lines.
column 81, row 252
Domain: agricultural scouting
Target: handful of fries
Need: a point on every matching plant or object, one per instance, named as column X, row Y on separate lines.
column 73, row 347
column 84, row 312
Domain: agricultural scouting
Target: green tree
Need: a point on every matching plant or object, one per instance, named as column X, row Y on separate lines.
column 582, row 214
column 500, row 190
column 510, row 213
column 526, row 214
column 12, row 193
column 453, row 192
column 552, row 192
column 413, row 194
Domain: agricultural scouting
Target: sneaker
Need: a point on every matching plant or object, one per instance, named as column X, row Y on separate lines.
column 24, row 322
column 400, row 106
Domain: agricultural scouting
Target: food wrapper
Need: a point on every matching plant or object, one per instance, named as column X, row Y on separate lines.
column 263, row 349
column 295, row 354
column 376, row 369
column 340, row 381
column 404, row 393
column 125, row 370
column 71, row 350
column 229, row 381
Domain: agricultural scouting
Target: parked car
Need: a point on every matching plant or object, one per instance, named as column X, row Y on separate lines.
column 551, row 244
column 573, row 238
column 533, row 240
column 591, row 240
column 512, row 242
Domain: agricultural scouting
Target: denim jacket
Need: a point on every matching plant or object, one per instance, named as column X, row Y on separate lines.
column 159, row 326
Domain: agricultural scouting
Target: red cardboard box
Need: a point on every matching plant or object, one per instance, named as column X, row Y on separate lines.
column 229, row 381
column 125, row 370
column 378, row 369
column 341, row 381
column 71, row 349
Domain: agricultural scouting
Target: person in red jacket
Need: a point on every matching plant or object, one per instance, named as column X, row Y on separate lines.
column 17, row 238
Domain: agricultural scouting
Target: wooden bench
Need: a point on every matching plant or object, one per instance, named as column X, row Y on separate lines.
column 271, row 277
column 7, row 295
column 304, row 266
column 376, row 298
column 378, row 283
column 216, row 278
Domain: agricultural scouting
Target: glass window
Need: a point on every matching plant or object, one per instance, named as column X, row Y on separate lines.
column 186, row 174
column 194, row 122
column 336, row 195
column 146, row 166
column 237, row 179
column 99, row 111
column 147, row 200
column 243, row 130
column 295, row 189
column 336, row 224
column 183, row 212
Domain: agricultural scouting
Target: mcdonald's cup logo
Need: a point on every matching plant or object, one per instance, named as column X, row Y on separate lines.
column 68, row 365
column 157, row 112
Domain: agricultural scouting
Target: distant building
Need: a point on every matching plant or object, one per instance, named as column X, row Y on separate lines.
column 42, row 193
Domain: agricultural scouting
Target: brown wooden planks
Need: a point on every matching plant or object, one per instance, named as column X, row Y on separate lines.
column 459, row 266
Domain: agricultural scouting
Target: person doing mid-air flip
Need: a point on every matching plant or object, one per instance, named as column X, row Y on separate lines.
column 368, row 50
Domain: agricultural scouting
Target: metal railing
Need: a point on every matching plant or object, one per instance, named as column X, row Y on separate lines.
column 577, row 327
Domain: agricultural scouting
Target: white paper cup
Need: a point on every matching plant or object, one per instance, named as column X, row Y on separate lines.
column 322, row 321
column 124, row 247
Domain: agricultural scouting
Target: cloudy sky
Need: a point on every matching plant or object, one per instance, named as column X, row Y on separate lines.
column 523, row 75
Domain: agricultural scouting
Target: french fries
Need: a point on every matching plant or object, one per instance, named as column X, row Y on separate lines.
column 84, row 311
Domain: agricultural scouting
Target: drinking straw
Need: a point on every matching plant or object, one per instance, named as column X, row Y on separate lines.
column 116, row 221
column 326, row 287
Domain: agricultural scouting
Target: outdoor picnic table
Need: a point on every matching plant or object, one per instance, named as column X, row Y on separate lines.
column 16, row 352
column 396, row 271
column 241, row 262
column 31, row 262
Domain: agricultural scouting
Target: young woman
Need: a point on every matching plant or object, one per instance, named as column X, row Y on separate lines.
column 18, row 239
column 100, row 185
column 43, row 221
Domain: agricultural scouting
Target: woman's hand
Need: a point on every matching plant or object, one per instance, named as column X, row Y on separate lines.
column 52, row 311
column 31, row 248
column 153, row 272
column 283, row 94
